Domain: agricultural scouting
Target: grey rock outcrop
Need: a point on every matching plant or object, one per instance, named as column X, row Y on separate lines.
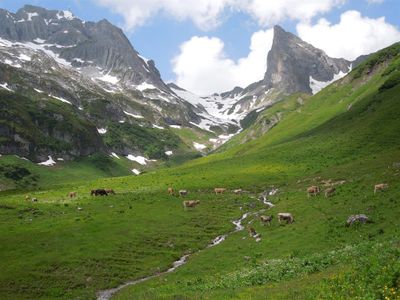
column 83, row 44
column 292, row 62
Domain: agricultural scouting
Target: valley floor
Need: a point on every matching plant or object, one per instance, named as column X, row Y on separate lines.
column 73, row 248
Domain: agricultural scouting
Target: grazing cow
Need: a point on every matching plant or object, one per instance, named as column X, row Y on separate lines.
column 252, row 231
column 313, row 190
column 357, row 218
column 72, row 194
column 27, row 198
column 219, row 190
column 34, row 200
column 329, row 191
column 183, row 192
column 254, row 234
column 98, row 192
column 266, row 219
column 285, row 217
column 190, row 203
column 171, row 191
column 110, row 191
column 380, row 187
column 237, row 191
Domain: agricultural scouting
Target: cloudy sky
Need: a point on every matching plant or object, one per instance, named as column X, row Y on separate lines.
column 211, row 46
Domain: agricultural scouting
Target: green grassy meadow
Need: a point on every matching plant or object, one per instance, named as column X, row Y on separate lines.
column 348, row 134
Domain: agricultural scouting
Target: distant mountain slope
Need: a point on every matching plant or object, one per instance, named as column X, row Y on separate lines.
column 293, row 66
column 95, row 75
column 301, row 115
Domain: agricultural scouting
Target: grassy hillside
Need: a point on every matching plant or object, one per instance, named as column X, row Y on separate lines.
column 21, row 174
column 347, row 135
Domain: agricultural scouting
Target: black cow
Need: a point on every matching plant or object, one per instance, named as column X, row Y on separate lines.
column 99, row 192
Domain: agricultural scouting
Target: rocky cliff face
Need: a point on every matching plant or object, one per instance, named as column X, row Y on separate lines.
column 293, row 65
column 86, row 45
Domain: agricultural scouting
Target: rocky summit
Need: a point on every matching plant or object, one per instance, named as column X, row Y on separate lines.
column 296, row 66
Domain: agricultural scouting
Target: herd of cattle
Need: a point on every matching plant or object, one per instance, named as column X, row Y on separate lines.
column 288, row 217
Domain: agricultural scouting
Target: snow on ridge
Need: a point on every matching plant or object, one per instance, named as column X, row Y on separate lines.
column 38, row 47
column 139, row 159
column 78, row 60
column 158, row 127
column 50, row 162
column 144, row 58
column 39, row 91
column 113, row 154
column 24, row 57
column 168, row 153
column 144, row 86
column 204, row 124
column 109, row 78
column 65, row 14
column 133, row 115
column 5, row 86
column 12, row 64
column 175, row 126
column 317, row 86
column 135, row 171
column 102, row 130
column 216, row 108
column 39, row 41
column 61, row 99
column 199, row 146
column 30, row 15
column 146, row 62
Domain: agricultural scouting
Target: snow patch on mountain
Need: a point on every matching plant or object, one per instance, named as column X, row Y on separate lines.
column 317, row 86
column 139, row 159
column 5, row 86
column 199, row 146
column 61, row 99
column 133, row 115
column 102, row 130
column 50, row 162
column 108, row 78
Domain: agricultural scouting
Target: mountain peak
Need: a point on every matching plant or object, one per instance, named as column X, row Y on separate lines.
column 293, row 64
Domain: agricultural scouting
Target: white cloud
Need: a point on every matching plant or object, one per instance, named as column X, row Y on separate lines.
column 353, row 36
column 270, row 12
column 375, row 1
column 203, row 67
column 207, row 14
column 204, row 13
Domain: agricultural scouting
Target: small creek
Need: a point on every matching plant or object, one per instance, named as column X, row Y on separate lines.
column 107, row 294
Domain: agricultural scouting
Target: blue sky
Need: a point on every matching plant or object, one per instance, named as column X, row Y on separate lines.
column 174, row 36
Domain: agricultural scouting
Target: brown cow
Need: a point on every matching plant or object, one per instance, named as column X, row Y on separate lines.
column 266, row 219
column 171, row 191
column 219, row 190
column 183, row 192
column 27, row 197
column 72, row 194
column 110, row 191
column 380, row 187
column 190, row 203
column 329, row 191
column 313, row 190
column 288, row 217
